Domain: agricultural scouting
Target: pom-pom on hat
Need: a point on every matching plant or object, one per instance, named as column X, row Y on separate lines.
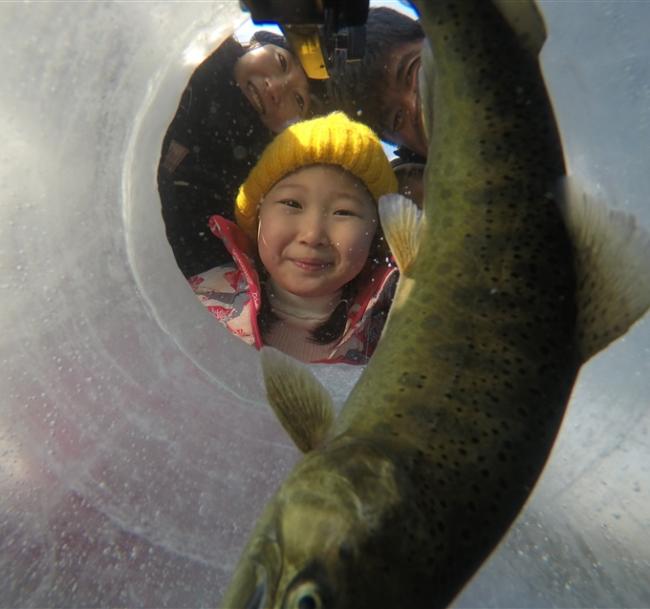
column 327, row 140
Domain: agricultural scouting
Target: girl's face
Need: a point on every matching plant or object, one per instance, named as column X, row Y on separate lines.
column 315, row 230
column 275, row 84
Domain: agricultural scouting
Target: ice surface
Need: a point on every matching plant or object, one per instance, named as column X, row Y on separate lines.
column 136, row 449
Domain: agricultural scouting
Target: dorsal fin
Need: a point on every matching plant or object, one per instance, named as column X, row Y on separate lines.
column 612, row 268
column 400, row 221
column 302, row 405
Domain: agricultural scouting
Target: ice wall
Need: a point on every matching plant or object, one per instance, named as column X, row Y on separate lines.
column 135, row 446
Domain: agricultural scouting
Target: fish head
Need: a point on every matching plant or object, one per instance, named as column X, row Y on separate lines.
column 320, row 544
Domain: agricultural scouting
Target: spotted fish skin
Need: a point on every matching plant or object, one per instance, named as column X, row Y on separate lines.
column 467, row 390
column 442, row 439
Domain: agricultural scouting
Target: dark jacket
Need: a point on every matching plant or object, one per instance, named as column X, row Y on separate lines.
column 225, row 137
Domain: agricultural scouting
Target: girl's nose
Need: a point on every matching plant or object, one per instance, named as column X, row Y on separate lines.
column 313, row 232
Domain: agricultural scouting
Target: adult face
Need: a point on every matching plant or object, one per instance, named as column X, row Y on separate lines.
column 275, row 84
column 316, row 227
column 402, row 118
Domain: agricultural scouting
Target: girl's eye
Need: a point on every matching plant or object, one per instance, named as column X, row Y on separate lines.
column 344, row 212
column 283, row 62
column 290, row 203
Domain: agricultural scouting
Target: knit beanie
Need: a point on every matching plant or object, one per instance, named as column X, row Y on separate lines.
column 327, row 140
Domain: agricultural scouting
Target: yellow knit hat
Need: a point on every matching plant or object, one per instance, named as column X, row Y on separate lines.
column 329, row 140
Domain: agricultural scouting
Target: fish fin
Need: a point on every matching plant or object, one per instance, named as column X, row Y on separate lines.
column 425, row 86
column 300, row 402
column 400, row 221
column 612, row 268
column 526, row 21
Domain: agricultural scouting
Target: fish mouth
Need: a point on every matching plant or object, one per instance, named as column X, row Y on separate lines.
column 255, row 98
column 311, row 265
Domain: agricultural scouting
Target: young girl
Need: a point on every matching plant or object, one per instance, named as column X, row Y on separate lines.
column 308, row 274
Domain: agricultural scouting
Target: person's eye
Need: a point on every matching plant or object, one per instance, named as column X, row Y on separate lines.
column 345, row 212
column 300, row 100
column 412, row 71
column 291, row 203
column 282, row 60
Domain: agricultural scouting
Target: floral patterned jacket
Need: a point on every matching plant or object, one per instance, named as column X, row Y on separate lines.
column 232, row 294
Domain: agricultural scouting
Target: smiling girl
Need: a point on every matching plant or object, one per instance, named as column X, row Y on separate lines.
column 308, row 274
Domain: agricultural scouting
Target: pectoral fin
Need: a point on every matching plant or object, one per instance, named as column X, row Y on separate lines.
column 400, row 221
column 612, row 268
column 301, row 403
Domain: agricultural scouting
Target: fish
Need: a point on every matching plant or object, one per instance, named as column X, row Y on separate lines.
column 511, row 277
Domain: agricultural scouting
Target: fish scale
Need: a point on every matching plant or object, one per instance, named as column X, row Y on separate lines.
column 489, row 336
column 447, row 430
column 489, row 330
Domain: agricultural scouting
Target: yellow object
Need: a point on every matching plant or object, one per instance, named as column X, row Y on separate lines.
column 327, row 140
column 306, row 44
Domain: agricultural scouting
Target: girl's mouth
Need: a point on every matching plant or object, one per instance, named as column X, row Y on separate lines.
column 311, row 266
column 255, row 98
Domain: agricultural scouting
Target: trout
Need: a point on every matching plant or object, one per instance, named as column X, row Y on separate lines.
column 505, row 289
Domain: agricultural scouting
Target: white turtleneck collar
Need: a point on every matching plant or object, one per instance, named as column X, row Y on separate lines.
column 304, row 310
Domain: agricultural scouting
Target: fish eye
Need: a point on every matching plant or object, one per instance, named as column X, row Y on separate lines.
column 307, row 601
column 305, row 596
